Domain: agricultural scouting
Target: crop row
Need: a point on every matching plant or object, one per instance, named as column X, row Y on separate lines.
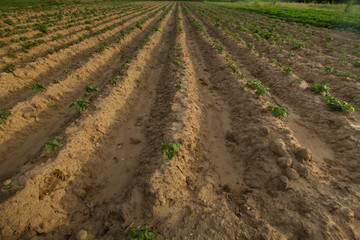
column 62, row 42
column 104, row 117
column 291, row 63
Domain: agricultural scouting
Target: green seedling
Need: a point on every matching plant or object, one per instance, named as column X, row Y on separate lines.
column 102, row 47
column 232, row 66
column 10, row 67
column 138, row 25
column 261, row 54
column 357, row 64
column 41, row 27
column 330, row 38
column 122, row 72
column 280, row 48
column 220, row 48
column 299, row 80
column 336, row 104
column 4, row 114
column 343, row 59
column 347, row 75
column 141, row 233
column 81, row 104
column 38, row 86
column 328, row 68
column 113, row 80
column 52, row 143
column 273, row 60
column 260, row 88
column 321, row 89
column 56, row 80
column 67, row 71
column 12, row 55
column 291, row 53
column 8, row 187
column 92, row 89
column 177, row 62
column 298, row 45
column 278, row 111
column 251, row 45
column 288, row 70
column 178, row 86
column 169, row 149
column 242, row 76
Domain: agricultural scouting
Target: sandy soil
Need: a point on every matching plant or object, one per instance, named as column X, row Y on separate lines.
column 239, row 173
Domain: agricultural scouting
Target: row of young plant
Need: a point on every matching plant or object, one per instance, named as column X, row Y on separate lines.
column 169, row 147
column 30, row 42
column 257, row 85
column 82, row 104
column 327, row 68
column 260, row 89
column 9, row 67
column 85, row 52
column 89, row 124
column 59, row 20
column 66, row 42
column 263, row 36
column 64, row 31
column 316, row 17
column 286, row 32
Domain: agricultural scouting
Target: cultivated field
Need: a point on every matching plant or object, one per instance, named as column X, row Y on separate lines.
column 198, row 120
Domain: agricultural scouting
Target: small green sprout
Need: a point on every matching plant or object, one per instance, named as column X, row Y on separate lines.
column 67, row 71
column 242, row 76
column 357, row 64
column 343, row 59
column 8, row 187
column 232, row 66
column 52, row 143
column 56, row 80
column 141, row 233
column 4, row 114
column 169, row 149
column 328, row 68
column 273, row 60
column 260, row 88
column 336, row 104
column 288, row 70
column 12, row 55
column 299, row 80
column 330, row 38
column 220, row 48
column 321, row 89
column 38, row 86
column 347, row 75
column 278, row 110
column 10, row 67
column 92, row 89
column 177, row 62
column 81, row 104
column 178, row 86
column 251, row 45
column 138, row 25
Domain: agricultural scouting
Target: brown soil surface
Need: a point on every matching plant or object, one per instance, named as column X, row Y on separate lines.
column 239, row 172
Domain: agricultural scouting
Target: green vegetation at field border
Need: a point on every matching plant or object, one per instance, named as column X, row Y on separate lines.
column 321, row 18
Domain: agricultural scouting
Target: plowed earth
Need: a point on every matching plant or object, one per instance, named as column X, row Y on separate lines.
column 239, row 173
